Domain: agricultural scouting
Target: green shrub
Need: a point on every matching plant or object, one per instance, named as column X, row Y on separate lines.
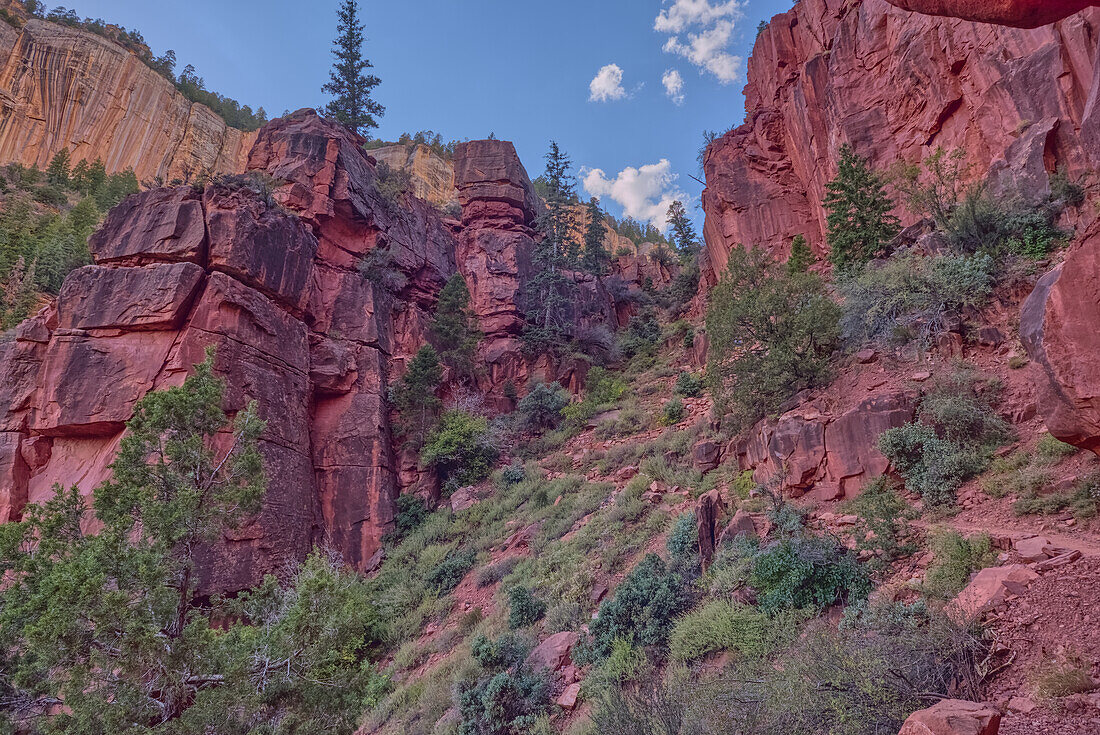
column 883, row 528
column 642, row 610
column 495, row 572
column 1051, row 450
column 461, row 449
column 524, row 608
column 641, row 335
column 513, row 474
column 913, row 296
column 673, row 412
column 956, row 558
column 720, row 625
column 411, row 512
column 952, row 441
column 689, row 385
column 1082, row 500
column 393, row 183
column 541, row 407
column 771, row 335
column 602, row 387
column 448, row 574
column 504, row 698
column 683, row 540
column 806, row 573
column 1065, row 189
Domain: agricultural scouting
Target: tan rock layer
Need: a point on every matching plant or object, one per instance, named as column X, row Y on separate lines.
column 62, row 87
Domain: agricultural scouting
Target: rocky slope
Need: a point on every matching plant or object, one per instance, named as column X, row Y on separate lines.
column 61, row 87
column 275, row 285
column 895, row 86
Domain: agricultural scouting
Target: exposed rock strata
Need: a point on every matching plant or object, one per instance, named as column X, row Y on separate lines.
column 61, row 87
column 274, row 282
column 895, row 85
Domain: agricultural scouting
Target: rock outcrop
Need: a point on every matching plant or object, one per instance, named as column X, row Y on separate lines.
column 829, row 453
column 1019, row 13
column 894, row 85
column 62, row 87
column 433, row 177
column 1058, row 326
column 954, row 717
column 315, row 294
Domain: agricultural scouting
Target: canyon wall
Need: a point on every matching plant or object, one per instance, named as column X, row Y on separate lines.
column 275, row 281
column 61, row 87
column 895, row 86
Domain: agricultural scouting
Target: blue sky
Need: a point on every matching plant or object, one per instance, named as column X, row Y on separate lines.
column 521, row 69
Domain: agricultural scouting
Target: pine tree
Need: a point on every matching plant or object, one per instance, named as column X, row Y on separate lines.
column 683, row 232
column 453, row 326
column 596, row 257
column 549, row 292
column 859, row 219
column 414, row 395
column 801, row 257
column 349, row 86
column 57, row 173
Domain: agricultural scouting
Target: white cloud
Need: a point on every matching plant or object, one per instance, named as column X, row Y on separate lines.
column 644, row 193
column 607, row 85
column 674, row 86
column 685, row 13
column 707, row 31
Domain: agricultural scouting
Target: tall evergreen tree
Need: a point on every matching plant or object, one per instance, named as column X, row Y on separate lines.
column 549, row 292
column 57, row 173
column 349, row 85
column 683, row 232
column 859, row 213
column 596, row 257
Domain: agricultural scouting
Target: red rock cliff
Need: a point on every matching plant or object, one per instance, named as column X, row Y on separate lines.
column 272, row 279
column 895, row 85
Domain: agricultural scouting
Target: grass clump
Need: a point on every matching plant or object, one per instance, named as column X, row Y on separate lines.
column 721, row 625
column 1061, row 676
column 883, row 524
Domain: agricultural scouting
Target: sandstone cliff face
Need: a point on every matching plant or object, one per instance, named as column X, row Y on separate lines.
column 64, row 88
column 1020, row 13
column 433, row 177
column 274, row 283
column 894, row 85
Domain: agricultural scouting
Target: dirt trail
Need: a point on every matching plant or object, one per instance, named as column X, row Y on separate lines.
column 1087, row 546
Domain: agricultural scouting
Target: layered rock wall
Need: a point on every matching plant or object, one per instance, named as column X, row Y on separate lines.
column 61, row 87
column 315, row 296
column 895, row 86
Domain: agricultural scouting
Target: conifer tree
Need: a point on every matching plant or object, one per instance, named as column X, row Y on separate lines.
column 859, row 219
column 414, row 395
column 596, row 257
column 349, row 85
column 549, row 292
column 57, row 173
column 453, row 326
column 683, row 232
column 801, row 257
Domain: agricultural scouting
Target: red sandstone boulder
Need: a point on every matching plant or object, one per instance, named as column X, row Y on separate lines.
column 1021, row 13
column 553, row 653
column 953, row 717
column 989, row 588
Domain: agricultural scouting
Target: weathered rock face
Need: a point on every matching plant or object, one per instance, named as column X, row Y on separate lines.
column 1058, row 326
column 276, row 282
column 1020, row 13
column 62, row 87
column 433, row 177
column 832, row 455
column 895, row 85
